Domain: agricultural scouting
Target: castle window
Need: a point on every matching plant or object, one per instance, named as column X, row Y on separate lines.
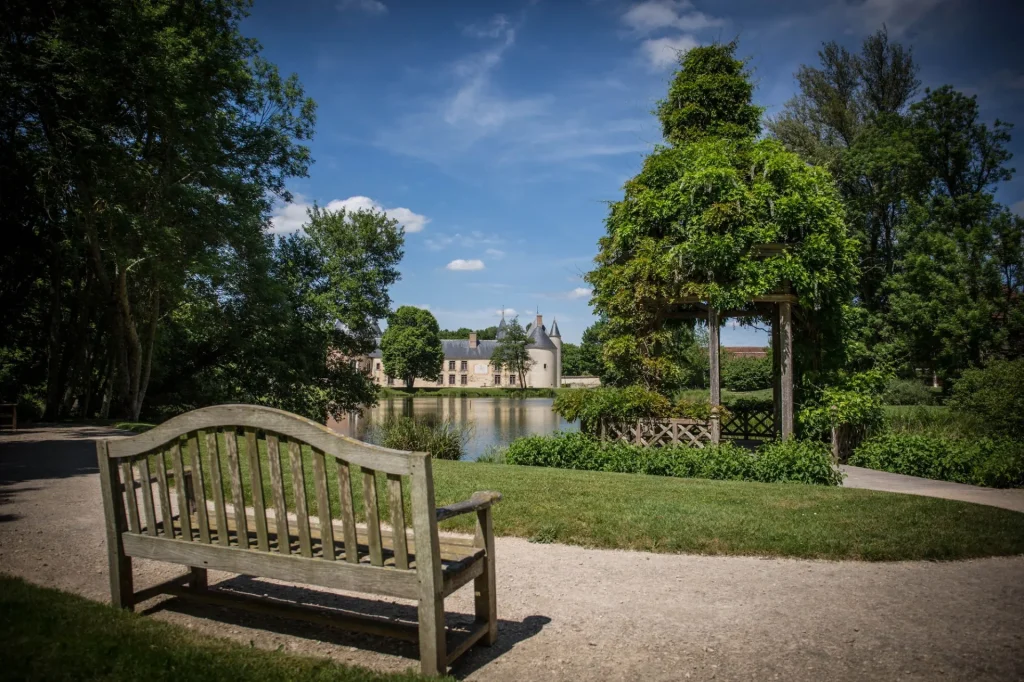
column 451, row 379
column 497, row 380
column 451, row 365
column 511, row 379
column 378, row 366
column 391, row 381
column 440, row 380
column 545, row 365
column 464, row 365
column 464, row 380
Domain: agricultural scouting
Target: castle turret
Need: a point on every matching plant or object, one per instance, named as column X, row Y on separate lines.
column 556, row 338
column 544, row 353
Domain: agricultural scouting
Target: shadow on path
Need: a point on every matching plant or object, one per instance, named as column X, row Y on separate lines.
column 510, row 633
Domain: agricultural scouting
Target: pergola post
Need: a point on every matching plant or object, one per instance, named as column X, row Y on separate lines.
column 713, row 352
column 786, row 352
column 776, row 372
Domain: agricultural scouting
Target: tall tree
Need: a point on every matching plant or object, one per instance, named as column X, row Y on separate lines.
column 512, row 351
column 692, row 220
column 148, row 138
column 411, row 345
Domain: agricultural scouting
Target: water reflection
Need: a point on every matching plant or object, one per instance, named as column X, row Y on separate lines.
column 490, row 421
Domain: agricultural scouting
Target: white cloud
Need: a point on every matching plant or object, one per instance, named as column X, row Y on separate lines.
column 580, row 292
column 469, row 240
column 663, row 52
column 460, row 264
column 896, row 15
column 291, row 217
column 367, row 6
column 493, row 28
column 495, row 253
column 658, row 14
column 1018, row 208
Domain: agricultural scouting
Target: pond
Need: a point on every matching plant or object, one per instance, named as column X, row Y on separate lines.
column 489, row 422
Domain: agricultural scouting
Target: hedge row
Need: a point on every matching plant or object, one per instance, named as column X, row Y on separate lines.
column 992, row 462
column 792, row 461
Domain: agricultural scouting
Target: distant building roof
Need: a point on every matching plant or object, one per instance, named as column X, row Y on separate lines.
column 746, row 351
column 554, row 333
column 458, row 349
column 541, row 340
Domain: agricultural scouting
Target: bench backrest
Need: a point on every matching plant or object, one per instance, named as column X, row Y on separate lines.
column 217, row 461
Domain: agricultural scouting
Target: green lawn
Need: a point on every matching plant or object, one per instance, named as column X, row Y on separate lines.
column 662, row 514
column 50, row 635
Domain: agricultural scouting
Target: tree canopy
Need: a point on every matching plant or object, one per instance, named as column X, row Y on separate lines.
column 512, row 351
column 411, row 345
column 692, row 220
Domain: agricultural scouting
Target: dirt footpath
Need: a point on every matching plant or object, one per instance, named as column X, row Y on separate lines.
column 578, row 614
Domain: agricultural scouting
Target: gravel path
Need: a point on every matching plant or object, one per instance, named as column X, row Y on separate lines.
column 574, row 613
column 857, row 477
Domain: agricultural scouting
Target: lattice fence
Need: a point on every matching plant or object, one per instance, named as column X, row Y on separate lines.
column 749, row 424
column 659, row 433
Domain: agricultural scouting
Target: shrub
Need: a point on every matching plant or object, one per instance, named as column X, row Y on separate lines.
column 443, row 439
column 746, row 374
column 798, row 461
column 996, row 463
column 907, row 392
column 590, row 406
column 994, row 394
column 802, row 462
column 854, row 403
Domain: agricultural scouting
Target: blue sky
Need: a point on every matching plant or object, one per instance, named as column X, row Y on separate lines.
column 497, row 132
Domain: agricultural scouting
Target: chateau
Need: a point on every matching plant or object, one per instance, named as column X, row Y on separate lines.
column 467, row 362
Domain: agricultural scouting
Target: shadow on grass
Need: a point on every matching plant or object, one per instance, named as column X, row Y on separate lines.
column 510, row 632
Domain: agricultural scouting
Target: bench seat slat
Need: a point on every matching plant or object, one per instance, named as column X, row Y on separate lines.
column 323, row 504
column 166, row 513
column 277, row 492
column 252, row 449
column 199, row 488
column 299, row 487
column 217, row 483
column 147, row 496
column 348, row 514
column 184, row 518
column 335, row 575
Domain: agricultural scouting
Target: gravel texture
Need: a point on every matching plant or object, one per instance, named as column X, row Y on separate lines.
column 573, row 613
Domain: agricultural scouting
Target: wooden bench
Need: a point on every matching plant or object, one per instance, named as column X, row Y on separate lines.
column 226, row 501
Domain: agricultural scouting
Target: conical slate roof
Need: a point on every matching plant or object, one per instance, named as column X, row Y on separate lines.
column 554, row 333
column 541, row 340
column 500, row 334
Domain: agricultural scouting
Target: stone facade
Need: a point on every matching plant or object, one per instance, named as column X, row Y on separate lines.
column 467, row 362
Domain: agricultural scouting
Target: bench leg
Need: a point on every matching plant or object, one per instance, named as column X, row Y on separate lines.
column 198, row 581
column 122, row 594
column 486, row 602
column 433, row 649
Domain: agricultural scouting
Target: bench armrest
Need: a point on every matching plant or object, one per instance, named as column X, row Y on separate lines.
column 478, row 502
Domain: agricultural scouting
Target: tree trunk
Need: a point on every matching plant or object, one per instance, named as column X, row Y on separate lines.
column 53, row 360
column 147, row 364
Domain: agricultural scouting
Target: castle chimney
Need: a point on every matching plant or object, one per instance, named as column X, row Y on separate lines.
column 540, row 321
column 472, row 340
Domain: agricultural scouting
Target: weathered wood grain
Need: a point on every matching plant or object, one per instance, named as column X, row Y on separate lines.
column 299, row 488
column 372, row 516
column 184, row 518
column 164, row 492
column 237, row 493
column 277, row 492
column 323, row 505
column 397, row 508
column 217, row 483
column 118, row 563
column 128, row 477
column 147, row 495
column 199, row 487
column 348, row 514
column 252, row 450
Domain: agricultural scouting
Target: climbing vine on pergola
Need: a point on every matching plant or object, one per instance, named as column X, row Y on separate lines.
column 721, row 224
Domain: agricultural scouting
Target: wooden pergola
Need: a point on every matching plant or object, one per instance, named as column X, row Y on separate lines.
column 777, row 307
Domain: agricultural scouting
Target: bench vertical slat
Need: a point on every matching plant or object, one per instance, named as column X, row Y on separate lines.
column 277, row 492
column 217, row 483
column 323, row 505
column 199, row 487
column 128, row 477
column 184, row 518
column 299, row 487
column 348, row 513
column 163, row 491
column 252, row 449
column 237, row 495
column 372, row 517
column 147, row 495
column 398, row 521
column 430, row 610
